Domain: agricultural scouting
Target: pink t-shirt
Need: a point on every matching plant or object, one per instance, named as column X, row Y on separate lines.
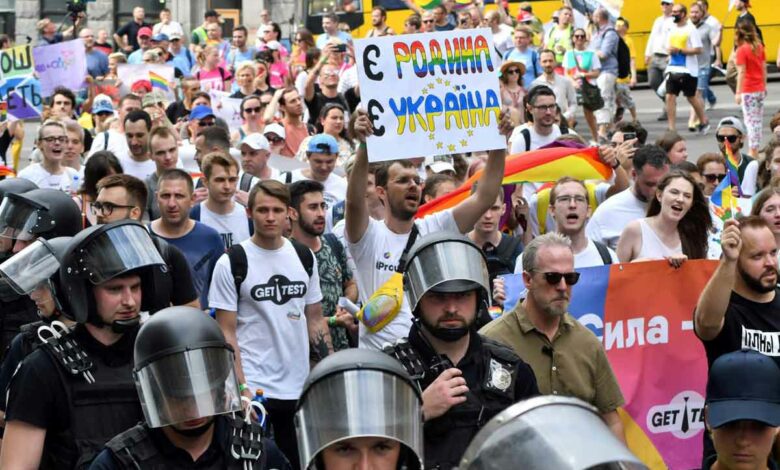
column 213, row 79
column 278, row 73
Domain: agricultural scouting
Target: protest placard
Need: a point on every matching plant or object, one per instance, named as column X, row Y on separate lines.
column 226, row 108
column 19, row 89
column 154, row 76
column 430, row 94
column 62, row 64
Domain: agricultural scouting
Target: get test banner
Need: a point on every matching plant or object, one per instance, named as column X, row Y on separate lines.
column 643, row 313
column 430, row 94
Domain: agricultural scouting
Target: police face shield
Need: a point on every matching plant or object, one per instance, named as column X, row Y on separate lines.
column 188, row 385
column 117, row 251
column 358, row 403
column 29, row 268
column 548, row 432
column 17, row 219
column 445, row 266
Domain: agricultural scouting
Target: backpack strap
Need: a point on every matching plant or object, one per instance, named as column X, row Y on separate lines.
column 409, row 243
column 246, row 182
column 287, row 177
column 239, row 266
column 606, row 258
column 105, row 140
column 526, row 133
column 305, row 255
column 507, row 246
column 335, row 245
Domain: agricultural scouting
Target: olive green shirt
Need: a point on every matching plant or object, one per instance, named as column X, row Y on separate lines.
column 573, row 364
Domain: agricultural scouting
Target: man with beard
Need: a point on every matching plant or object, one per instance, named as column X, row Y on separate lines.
column 566, row 357
column 738, row 307
column 377, row 246
column 139, row 162
column 379, row 23
column 466, row 378
column 307, row 212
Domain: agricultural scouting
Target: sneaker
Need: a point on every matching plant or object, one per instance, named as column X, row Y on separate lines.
column 662, row 117
column 704, row 129
column 692, row 128
column 711, row 105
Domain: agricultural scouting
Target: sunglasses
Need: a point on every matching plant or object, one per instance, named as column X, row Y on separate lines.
column 206, row 123
column 578, row 36
column 513, row 72
column 254, row 110
column 427, row 21
column 730, row 138
column 554, row 278
column 714, row 177
column 274, row 139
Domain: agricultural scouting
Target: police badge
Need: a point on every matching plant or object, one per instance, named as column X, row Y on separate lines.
column 500, row 378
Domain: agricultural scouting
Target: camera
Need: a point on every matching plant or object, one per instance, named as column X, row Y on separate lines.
column 75, row 8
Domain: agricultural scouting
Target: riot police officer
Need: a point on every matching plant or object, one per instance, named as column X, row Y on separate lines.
column 548, row 432
column 69, row 397
column 25, row 216
column 192, row 407
column 12, row 186
column 359, row 409
column 466, row 379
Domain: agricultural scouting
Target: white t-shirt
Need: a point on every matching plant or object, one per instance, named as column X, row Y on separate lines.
column 750, row 180
column 376, row 256
column 586, row 258
column 271, row 331
column 502, row 40
column 610, row 218
column 113, row 141
column 517, row 140
column 688, row 38
column 232, row 227
column 335, row 187
column 138, row 169
column 45, row 180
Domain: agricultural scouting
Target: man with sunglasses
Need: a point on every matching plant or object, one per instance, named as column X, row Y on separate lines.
column 566, row 357
column 316, row 98
column 730, row 130
column 428, row 22
column 465, row 378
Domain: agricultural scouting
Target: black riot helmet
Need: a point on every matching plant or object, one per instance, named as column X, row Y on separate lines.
column 104, row 252
column 446, row 262
column 46, row 213
column 359, row 393
column 15, row 186
column 183, row 368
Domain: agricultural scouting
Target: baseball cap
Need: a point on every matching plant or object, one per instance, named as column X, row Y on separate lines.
column 668, row 2
column 731, row 121
column 145, row 31
column 440, row 167
column 256, row 141
column 524, row 16
column 200, row 112
column 153, row 97
column 323, row 143
column 274, row 128
column 160, row 37
column 273, row 45
column 102, row 106
column 743, row 385
column 175, row 35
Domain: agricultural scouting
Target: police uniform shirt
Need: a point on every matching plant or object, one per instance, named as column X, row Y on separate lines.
column 37, row 396
column 574, row 363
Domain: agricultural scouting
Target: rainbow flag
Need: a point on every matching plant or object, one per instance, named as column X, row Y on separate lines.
column 158, row 81
column 733, row 168
column 537, row 166
column 6, row 172
column 723, row 203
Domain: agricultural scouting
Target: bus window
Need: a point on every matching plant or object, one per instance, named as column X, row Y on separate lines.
column 318, row 7
column 390, row 5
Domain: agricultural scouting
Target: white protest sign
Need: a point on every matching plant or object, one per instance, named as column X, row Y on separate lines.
column 430, row 94
column 226, row 108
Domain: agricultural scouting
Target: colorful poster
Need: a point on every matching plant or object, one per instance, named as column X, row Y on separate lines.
column 62, row 64
column 151, row 74
column 20, row 91
column 430, row 94
column 226, row 108
column 660, row 364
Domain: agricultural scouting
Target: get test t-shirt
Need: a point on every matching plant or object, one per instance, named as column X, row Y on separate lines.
column 683, row 38
column 376, row 257
column 232, row 227
column 271, row 331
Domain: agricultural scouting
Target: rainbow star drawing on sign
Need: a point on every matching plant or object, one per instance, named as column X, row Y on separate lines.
column 158, row 81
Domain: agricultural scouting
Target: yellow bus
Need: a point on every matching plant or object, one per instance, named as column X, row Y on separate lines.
column 639, row 13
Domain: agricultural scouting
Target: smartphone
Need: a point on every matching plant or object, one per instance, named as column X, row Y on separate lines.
column 340, row 48
column 629, row 136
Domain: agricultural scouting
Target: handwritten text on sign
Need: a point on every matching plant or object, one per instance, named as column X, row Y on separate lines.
column 430, row 94
column 20, row 91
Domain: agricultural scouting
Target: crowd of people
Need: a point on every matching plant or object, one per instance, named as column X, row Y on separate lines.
column 136, row 218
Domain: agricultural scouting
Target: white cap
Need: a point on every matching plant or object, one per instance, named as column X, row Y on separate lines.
column 273, row 45
column 440, row 167
column 256, row 141
column 274, row 128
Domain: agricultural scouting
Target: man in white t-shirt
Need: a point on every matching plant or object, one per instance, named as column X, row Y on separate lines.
column 51, row 173
column 274, row 322
column 650, row 164
column 377, row 245
column 219, row 211
column 322, row 154
column 684, row 45
column 139, row 161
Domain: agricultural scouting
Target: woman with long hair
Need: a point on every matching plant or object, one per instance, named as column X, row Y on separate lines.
column 245, row 77
column 767, row 206
column 751, row 82
column 512, row 90
column 210, row 74
column 98, row 165
column 677, row 225
column 302, row 43
column 582, row 64
column 769, row 166
column 331, row 122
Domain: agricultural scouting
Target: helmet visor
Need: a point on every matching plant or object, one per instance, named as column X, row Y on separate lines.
column 117, row 251
column 17, row 219
column 29, row 268
column 188, row 385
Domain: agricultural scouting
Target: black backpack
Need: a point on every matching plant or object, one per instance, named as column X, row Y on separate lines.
column 623, row 58
column 502, row 259
column 239, row 266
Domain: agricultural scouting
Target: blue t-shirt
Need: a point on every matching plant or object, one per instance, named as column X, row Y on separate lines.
column 202, row 247
column 184, row 61
column 247, row 56
column 97, row 63
column 529, row 58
